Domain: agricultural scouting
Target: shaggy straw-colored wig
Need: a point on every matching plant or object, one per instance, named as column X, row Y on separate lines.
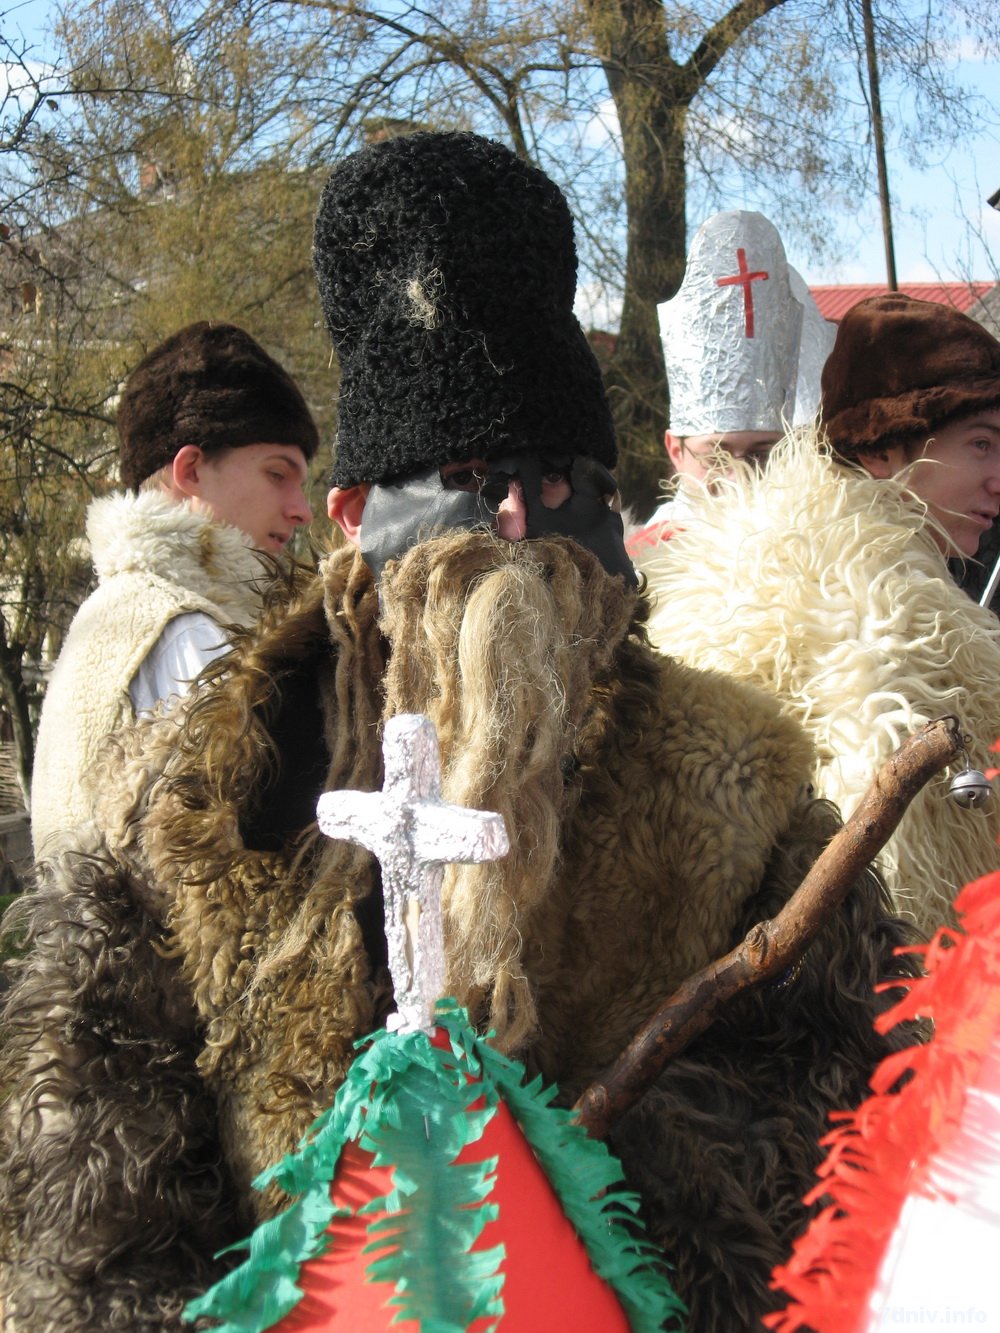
column 499, row 642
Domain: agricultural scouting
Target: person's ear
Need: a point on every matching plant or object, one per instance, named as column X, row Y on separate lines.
column 185, row 471
column 346, row 506
column 881, row 464
column 674, row 445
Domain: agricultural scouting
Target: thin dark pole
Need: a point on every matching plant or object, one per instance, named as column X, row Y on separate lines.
column 883, row 177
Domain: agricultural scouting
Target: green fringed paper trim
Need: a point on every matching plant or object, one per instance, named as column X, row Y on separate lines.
column 410, row 1104
column 437, row 1207
column 585, row 1177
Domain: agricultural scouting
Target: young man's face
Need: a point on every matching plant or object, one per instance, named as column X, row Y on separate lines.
column 956, row 473
column 258, row 488
column 699, row 455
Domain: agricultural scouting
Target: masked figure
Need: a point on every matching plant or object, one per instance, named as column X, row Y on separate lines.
column 199, row 976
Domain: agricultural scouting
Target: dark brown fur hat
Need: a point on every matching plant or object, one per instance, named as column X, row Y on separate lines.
column 902, row 368
column 212, row 385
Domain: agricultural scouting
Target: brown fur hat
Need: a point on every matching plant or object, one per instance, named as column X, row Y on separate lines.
column 902, row 368
column 212, row 385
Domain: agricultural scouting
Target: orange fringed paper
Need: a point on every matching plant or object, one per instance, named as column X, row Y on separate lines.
column 883, row 1153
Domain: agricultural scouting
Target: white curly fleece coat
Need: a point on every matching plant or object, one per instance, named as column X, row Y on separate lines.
column 825, row 588
column 155, row 559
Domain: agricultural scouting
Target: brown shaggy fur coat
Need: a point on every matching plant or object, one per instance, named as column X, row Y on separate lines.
column 200, row 971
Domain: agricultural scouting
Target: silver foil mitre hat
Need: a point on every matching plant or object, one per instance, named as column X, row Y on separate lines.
column 731, row 334
column 815, row 345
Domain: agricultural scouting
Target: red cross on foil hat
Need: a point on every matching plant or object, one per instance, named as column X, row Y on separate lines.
column 731, row 334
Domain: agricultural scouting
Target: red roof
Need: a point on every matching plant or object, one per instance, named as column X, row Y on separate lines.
column 834, row 302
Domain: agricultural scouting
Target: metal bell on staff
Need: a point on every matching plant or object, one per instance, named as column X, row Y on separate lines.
column 970, row 789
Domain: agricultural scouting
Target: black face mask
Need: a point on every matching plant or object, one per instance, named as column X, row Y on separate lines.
column 400, row 514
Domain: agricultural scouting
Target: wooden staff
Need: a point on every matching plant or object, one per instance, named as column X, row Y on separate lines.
column 772, row 947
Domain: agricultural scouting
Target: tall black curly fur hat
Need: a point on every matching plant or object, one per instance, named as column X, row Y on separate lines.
column 447, row 272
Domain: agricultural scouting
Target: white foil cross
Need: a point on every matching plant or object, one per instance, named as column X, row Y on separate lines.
column 414, row 834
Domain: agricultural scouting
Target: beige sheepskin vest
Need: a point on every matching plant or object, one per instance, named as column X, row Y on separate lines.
column 826, row 589
column 155, row 559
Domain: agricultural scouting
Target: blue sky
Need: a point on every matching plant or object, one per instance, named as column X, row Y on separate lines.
column 932, row 211
column 943, row 228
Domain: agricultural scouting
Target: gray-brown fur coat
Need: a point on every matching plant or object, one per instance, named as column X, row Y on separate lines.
column 196, row 981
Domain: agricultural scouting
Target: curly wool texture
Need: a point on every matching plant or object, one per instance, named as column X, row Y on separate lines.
column 719, row 1147
column 114, row 1195
column 682, row 816
column 154, row 559
column 826, row 589
column 447, row 273
column 268, row 965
